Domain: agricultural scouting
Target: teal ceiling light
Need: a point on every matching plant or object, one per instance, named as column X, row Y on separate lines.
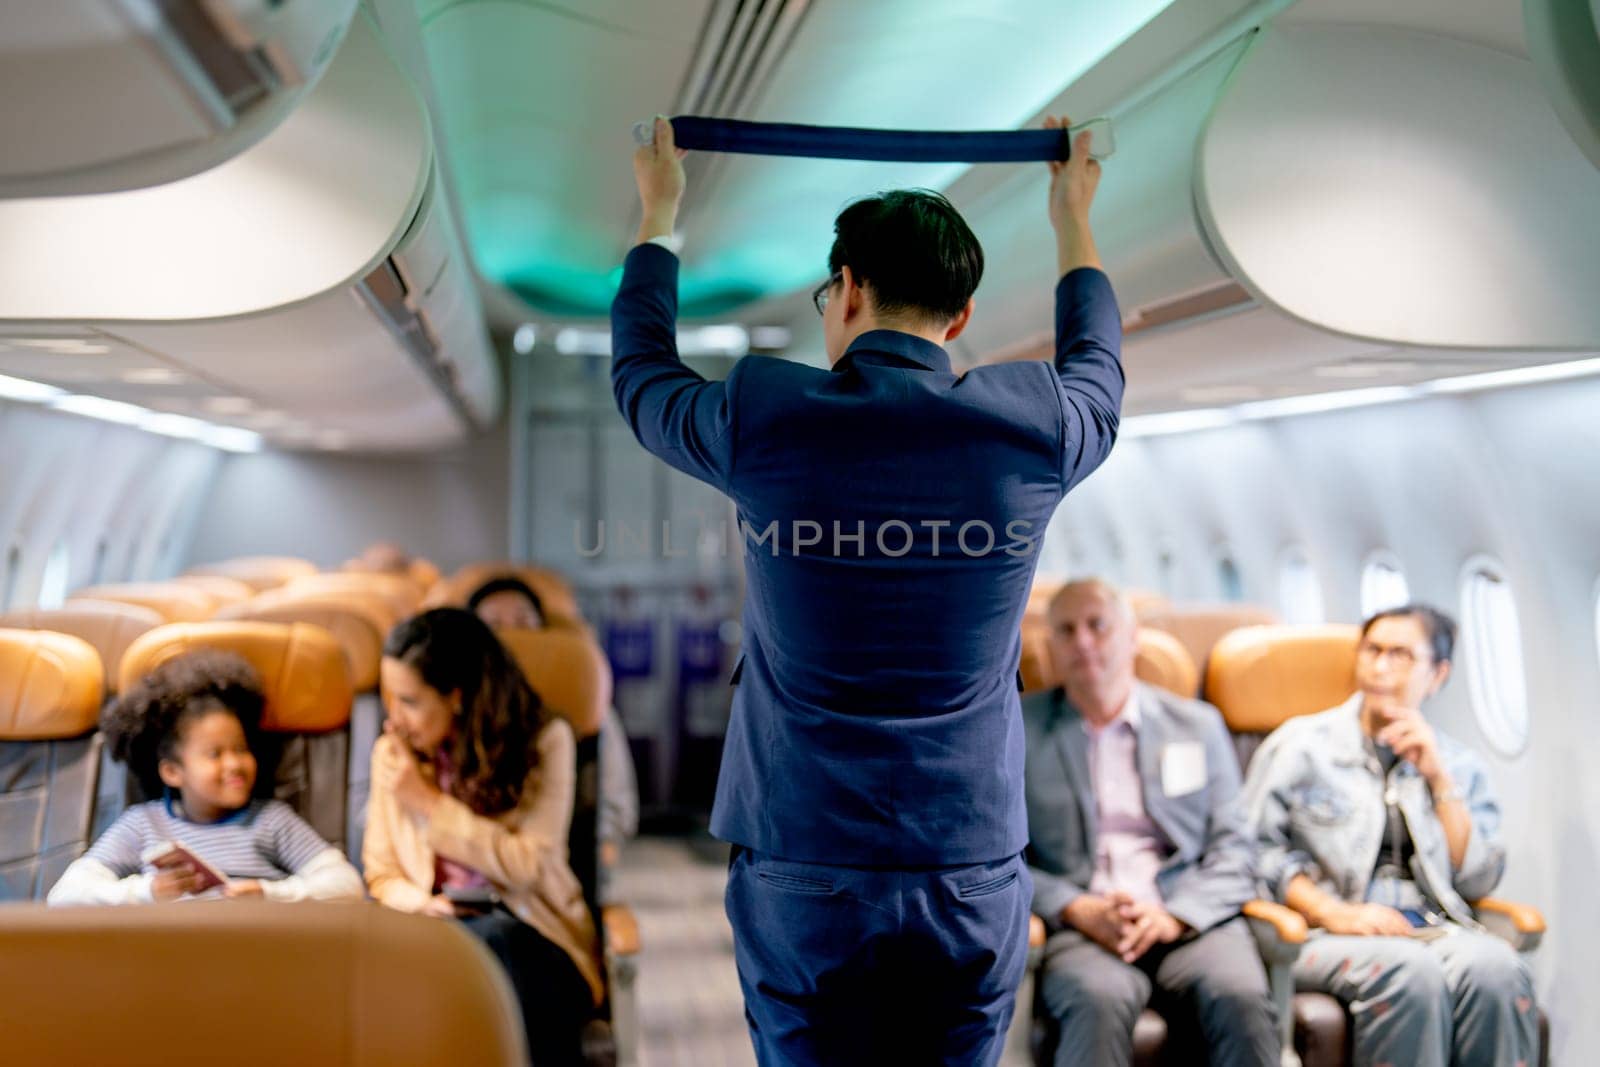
column 536, row 101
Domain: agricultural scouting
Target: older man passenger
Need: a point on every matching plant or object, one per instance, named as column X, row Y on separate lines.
column 1380, row 829
column 1139, row 861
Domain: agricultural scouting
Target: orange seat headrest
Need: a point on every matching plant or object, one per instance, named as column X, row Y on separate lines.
column 568, row 671
column 51, row 685
column 259, row 572
column 554, row 592
column 1262, row 676
column 1160, row 660
column 396, row 590
column 107, row 625
column 304, row 673
column 173, row 601
column 1201, row 626
column 361, row 640
column 223, row 590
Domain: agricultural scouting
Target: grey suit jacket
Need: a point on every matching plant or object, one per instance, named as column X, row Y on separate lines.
column 1208, row 877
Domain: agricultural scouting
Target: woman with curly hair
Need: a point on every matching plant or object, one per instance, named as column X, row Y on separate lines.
column 188, row 734
column 472, row 795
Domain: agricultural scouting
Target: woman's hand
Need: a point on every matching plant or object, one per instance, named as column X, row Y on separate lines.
column 439, row 906
column 1413, row 740
column 403, row 775
column 1365, row 920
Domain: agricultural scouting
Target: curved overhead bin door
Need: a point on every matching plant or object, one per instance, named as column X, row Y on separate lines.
column 309, row 209
column 1404, row 188
column 1563, row 38
column 122, row 94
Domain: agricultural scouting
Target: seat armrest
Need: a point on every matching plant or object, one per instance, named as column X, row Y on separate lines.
column 1276, row 926
column 1519, row 925
column 622, row 930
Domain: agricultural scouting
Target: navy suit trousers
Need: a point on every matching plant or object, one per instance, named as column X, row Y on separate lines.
column 844, row 965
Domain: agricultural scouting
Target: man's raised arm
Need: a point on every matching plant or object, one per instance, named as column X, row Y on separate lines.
column 674, row 412
column 1088, row 324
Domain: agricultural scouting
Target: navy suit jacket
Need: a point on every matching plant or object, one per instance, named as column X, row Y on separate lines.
column 1209, row 875
column 891, row 514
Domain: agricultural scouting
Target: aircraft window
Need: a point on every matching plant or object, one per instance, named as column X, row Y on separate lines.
column 8, row 578
column 1492, row 640
column 1228, row 576
column 53, row 586
column 1299, row 592
column 1383, row 584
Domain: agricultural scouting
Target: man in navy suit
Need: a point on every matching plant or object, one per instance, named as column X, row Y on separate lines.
column 891, row 512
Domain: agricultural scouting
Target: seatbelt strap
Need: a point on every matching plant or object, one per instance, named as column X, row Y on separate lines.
column 889, row 146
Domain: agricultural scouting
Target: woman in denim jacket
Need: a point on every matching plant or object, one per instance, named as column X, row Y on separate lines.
column 1379, row 830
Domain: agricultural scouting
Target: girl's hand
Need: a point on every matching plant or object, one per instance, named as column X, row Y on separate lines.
column 248, row 888
column 170, row 883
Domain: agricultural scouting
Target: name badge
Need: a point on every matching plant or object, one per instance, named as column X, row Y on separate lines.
column 1183, row 768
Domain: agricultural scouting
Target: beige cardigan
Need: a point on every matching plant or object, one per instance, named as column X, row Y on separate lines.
column 523, row 852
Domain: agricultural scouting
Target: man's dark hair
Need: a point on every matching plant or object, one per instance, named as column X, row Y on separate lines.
column 504, row 583
column 913, row 250
column 1440, row 628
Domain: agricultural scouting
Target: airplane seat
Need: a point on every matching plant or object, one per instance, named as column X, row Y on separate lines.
column 173, row 601
column 51, row 688
column 1201, row 626
column 398, row 591
column 569, row 672
column 306, row 680
column 325, row 982
column 555, row 593
column 360, row 626
column 259, row 572
column 224, row 591
column 1160, row 660
column 424, row 572
column 1260, row 677
column 111, row 627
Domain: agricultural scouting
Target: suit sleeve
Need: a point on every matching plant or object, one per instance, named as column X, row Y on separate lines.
column 1088, row 365
column 1051, row 895
column 675, row 413
column 1214, row 889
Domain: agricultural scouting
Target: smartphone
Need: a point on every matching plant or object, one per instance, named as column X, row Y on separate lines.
column 472, row 897
column 170, row 852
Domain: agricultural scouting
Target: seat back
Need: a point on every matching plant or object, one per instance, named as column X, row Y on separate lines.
column 324, row 983
column 424, row 573
column 554, row 592
column 110, row 627
column 306, row 680
column 51, row 688
column 569, row 672
column 222, row 590
column 399, row 592
column 1159, row 660
column 173, row 601
column 259, row 572
column 1201, row 626
column 1262, row 676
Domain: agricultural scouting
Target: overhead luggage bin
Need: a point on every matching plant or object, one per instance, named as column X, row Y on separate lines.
column 124, row 94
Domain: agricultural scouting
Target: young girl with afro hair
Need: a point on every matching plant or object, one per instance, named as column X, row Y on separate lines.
column 188, row 733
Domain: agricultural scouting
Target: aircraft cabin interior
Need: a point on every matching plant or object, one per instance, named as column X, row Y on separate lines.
column 306, row 352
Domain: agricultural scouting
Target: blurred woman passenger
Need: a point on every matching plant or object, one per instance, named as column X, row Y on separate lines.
column 1380, row 830
column 507, row 603
column 188, row 733
column 472, row 795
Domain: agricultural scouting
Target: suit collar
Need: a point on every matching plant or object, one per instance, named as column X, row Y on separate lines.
column 873, row 345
